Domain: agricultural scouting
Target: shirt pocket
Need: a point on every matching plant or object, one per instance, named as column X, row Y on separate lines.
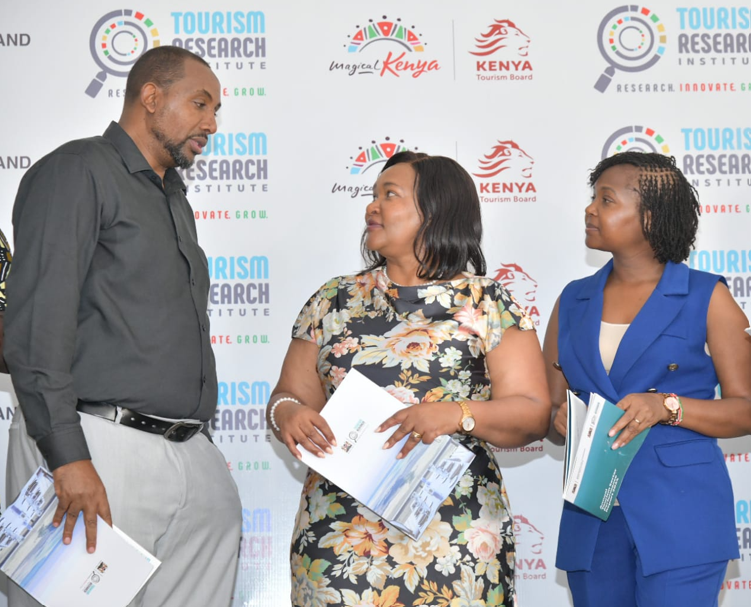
column 686, row 453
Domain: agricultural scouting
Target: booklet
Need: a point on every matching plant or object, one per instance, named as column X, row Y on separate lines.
column 406, row 492
column 593, row 472
column 33, row 555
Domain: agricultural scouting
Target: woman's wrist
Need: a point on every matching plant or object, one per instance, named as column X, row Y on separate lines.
column 274, row 410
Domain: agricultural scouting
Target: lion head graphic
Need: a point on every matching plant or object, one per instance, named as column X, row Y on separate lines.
column 506, row 156
column 520, row 284
column 528, row 537
column 502, row 33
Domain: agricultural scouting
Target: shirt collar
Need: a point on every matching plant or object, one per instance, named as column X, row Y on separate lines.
column 135, row 160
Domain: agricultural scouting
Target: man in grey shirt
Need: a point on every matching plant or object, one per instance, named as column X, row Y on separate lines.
column 107, row 337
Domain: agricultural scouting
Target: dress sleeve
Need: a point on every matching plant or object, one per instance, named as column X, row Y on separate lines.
column 309, row 323
column 503, row 311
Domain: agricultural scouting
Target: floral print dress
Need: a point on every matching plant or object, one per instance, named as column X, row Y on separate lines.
column 424, row 343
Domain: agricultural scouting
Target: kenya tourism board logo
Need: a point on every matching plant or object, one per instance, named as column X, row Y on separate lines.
column 505, row 174
column 634, row 139
column 530, row 559
column 385, row 47
column 522, row 286
column 369, row 159
column 631, row 38
column 502, row 50
column 117, row 40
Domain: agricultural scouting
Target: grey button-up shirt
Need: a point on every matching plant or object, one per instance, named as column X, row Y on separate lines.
column 108, row 293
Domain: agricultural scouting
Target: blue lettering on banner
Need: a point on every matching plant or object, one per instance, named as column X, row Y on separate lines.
column 236, row 144
column 256, row 521
column 720, row 261
column 238, row 268
column 244, row 393
column 700, row 139
column 714, row 17
column 217, row 22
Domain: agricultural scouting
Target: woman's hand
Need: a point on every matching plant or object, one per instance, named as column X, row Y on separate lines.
column 303, row 425
column 427, row 420
column 560, row 422
column 640, row 411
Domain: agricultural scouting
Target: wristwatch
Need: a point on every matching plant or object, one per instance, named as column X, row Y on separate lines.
column 467, row 422
column 673, row 404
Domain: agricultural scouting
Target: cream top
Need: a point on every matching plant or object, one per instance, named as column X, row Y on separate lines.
column 610, row 338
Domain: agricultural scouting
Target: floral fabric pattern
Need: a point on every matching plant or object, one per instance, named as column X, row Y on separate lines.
column 424, row 343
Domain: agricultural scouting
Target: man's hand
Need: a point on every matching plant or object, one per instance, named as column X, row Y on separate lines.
column 79, row 489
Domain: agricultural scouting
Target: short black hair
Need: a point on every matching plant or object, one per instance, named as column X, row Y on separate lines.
column 449, row 239
column 163, row 65
column 669, row 205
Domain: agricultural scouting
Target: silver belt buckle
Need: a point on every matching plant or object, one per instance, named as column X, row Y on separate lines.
column 193, row 429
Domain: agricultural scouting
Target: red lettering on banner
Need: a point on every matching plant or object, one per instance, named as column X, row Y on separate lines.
column 529, row 564
column 507, row 187
column 504, row 66
column 396, row 64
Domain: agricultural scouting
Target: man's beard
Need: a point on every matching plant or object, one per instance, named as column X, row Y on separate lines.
column 175, row 150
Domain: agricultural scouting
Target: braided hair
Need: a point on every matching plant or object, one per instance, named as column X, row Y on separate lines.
column 669, row 205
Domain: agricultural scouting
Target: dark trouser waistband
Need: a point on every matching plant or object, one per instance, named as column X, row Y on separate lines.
column 177, row 432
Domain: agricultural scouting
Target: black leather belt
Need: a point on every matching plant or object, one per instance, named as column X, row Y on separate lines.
column 177, row 432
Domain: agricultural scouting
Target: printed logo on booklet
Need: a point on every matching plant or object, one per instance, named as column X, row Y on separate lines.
column 502, row 52
column 505, row 174
column 386, row 47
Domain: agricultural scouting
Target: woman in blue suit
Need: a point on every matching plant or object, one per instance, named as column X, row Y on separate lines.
column 655, row 337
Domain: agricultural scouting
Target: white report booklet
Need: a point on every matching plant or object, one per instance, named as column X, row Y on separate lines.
column 404, row 492
column 33, row 555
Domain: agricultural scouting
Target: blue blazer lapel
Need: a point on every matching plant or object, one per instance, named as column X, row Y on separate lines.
column 584, row 321
column 656, row 314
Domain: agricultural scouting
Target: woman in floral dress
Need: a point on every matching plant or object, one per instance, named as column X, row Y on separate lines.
column 452, row 344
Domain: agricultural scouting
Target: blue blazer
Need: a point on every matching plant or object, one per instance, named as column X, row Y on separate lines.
column 676, row 497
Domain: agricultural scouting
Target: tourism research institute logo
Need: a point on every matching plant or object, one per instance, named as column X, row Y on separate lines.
column 635, row 138
column 117, row 41
column 404, row 44
column 631, row 38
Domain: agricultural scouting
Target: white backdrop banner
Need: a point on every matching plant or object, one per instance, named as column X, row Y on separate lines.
column 527, row 96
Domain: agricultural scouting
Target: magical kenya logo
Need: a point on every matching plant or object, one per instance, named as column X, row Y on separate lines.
column 502, row 51
column 505, row 174
column 370, row 156
column 386, row 47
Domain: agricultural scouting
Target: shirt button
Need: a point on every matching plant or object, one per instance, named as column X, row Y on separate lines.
column 203, row 379
column 203, row 327
column 193, row 281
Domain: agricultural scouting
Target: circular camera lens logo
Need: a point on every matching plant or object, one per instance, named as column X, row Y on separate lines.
column 631, row 39
column 117, row 40
column 635, row 139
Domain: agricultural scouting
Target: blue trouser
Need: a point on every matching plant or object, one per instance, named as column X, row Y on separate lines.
column 617, row 578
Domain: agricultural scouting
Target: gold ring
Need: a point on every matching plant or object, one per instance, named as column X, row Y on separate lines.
column 637, row 421
column 417, row 436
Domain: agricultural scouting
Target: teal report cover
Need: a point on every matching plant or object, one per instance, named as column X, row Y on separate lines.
column 597, row 471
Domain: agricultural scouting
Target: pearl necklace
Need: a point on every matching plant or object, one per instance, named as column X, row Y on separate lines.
column 396, row 284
